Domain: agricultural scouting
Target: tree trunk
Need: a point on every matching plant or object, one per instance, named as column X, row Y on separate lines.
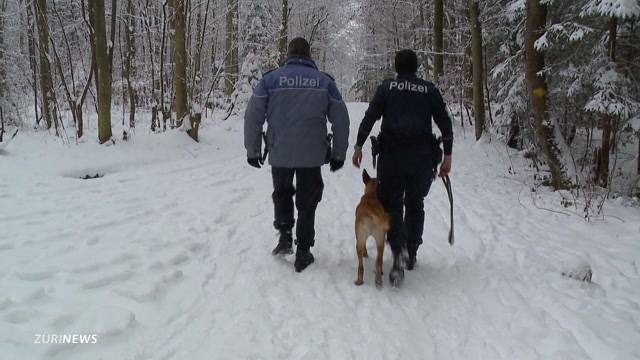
column 197, row 60
column 602, row 166
column 487, row 92
column 32, row 60
column 423, row 41
column 163, row 109
column 537, row 89
column 1, row 124
column 75, row 104
column 478, row 71
column 3, row 74
column 92, row 72
column 129, row 64
column 171, row 44
column 198, row 83
column 513, row 140
column 438, row 40
column 70, row 96
column 180, row 73
column 231, row 48
column 638, row 153
column 112, row 46
column 92, row 44
column 467, row 68
column 103, row 75
column 613, row 35
column 46, row 81
column 283, row 39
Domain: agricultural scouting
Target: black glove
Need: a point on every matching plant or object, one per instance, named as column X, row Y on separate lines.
column 255, row 162
column 336, row 164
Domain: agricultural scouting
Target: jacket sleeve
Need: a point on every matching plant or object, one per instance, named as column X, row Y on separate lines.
column 442, row 119
column 373, row 114
column 254, row 118
column 338, row 116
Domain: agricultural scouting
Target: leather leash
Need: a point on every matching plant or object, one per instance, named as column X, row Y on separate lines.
column 447, row 185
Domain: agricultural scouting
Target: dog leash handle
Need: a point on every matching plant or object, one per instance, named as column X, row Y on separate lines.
column 447, row 185
column 266, row 148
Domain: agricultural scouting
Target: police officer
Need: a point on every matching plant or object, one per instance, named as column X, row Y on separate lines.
column 296, row 100
column 405, row 166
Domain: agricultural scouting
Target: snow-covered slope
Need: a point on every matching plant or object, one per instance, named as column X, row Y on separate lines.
column 168, row 257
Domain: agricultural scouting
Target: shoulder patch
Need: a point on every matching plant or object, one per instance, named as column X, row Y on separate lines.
column 330, row 77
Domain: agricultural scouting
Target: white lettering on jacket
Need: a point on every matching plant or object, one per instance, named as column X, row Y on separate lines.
column 407, row 86
column 299, row 81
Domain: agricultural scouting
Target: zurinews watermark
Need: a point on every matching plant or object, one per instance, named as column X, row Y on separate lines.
column 65, row 339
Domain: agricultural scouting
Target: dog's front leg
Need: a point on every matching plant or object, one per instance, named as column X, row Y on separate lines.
column 380, row 253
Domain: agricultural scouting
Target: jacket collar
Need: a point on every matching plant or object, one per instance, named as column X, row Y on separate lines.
column 301, row 60
column 406, row 76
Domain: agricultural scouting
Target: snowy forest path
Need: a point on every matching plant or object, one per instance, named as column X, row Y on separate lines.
column 168, row 257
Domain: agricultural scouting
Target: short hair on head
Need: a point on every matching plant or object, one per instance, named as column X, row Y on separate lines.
column 299, row 47
column 406, row 62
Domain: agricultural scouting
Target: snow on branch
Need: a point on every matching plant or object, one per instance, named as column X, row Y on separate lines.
column 621, row 9
column 609, row 98
column 542, row 43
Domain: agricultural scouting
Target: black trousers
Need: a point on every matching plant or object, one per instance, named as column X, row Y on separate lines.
column 307, row 192
column 404, row 178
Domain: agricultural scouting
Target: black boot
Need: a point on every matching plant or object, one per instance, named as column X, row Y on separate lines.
column 411, row 262
column 285, row 243
column 304, row 258
column 396, row 275
column 411, row 259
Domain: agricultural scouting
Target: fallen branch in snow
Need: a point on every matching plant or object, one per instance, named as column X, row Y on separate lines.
column 89, row 177
column 581, row 272
column 533, row 201
column 230, row 111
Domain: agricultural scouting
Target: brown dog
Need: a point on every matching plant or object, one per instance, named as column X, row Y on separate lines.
column 371, row 220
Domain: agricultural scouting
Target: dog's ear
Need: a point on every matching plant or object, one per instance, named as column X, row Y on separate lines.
column 365, row 177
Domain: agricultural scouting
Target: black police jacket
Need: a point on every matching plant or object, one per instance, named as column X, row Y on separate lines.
column 407, row 104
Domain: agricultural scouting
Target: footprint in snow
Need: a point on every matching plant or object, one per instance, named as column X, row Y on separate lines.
column 21, row 316
column 36, row 275
column 108, row 280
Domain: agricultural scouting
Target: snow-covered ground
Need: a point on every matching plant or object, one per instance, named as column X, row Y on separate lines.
column 168, row 257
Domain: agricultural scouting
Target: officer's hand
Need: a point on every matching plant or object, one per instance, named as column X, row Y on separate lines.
column 445, row 168
column 336, row 165
column 255, row 162
column 357, row 158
